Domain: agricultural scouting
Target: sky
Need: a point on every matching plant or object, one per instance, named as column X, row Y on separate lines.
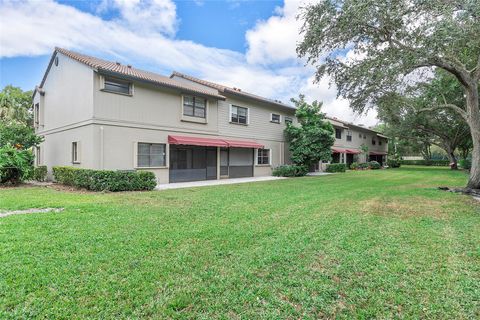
column 239, row 43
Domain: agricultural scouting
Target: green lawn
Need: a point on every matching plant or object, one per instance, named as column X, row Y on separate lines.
column 383, row 244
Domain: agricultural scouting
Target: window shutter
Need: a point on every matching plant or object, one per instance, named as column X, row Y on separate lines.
column 248, row 115
column 230, row 113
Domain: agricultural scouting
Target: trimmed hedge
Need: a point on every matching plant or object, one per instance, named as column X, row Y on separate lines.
column 336, row 167
column 40, row 173
column 290, row 171
column 105, row 180
column 438, row 163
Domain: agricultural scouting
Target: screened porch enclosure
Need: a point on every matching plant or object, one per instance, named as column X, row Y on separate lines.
column 236, row 162
column 201, row 158
column 192, row 163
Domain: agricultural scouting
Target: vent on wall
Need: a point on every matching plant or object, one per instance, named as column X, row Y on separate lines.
column 56, row 61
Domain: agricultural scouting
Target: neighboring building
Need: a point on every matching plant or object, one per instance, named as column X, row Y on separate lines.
column 350, row 138
column 103, row 115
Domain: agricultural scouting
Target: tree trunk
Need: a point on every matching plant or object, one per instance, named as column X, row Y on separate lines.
column 453, row 160
column 474, row 123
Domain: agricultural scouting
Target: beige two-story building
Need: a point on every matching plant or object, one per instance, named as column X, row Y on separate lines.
column 357, row 143
column 105, row 115
column 98, row 114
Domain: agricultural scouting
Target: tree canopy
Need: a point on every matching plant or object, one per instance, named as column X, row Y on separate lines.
column 312, row 140
column 16, row 105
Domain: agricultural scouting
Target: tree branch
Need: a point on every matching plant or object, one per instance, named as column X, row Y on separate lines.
column 450, row 106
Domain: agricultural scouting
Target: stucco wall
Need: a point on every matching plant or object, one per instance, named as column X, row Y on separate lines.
column 56, row 150
column 68, row 95
column 151, row 105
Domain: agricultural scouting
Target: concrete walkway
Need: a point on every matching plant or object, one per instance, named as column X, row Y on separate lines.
column 205, row 183
column 318, row 173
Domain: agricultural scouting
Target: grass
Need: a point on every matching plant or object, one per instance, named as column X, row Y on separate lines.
column 372, row 244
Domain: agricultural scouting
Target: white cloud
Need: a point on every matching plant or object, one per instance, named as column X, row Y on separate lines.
column 151, row 15
column 31, row 28
column 274, row 40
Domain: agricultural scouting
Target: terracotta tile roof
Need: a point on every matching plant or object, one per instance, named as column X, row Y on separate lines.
column 121, row 70
column 235, row 91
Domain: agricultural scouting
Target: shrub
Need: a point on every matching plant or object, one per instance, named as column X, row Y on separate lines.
column 440, row 163
column 16, row 165
column 64, row 175
column 40, row 173
column 466, row 164
column 354, row 165
column 393, row 163
column 336, row 167
column 363, row 166
column 374, row 165
column 105, row 180
column 290, row 171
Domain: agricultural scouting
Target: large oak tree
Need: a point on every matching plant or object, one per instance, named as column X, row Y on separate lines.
column 392, row 39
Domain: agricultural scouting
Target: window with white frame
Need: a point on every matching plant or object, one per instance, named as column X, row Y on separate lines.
column 117, row 86
column 239, row 115
column 263, row 156
column 75, row 158
column 194, row 106
column 288, row 120
column 151, row 155
column 349, row 135
column 275, row 118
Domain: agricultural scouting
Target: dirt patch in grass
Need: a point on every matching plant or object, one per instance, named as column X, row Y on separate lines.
column 406, row 208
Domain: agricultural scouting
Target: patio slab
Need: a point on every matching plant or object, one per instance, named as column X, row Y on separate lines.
column 205, row 183
column 318, row 173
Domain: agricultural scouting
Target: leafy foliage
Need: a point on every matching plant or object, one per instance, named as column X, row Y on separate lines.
column 313, row 139
column 16, row 106
column 444, row 128
column 466, row 164
column 40, row 173
column 394, row 163
column 290, row 171
column 336, row 167
column 105, row 180
column 19, row 135
column 16, row 165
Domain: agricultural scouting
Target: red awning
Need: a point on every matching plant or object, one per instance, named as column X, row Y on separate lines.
column 339, row 150
column 210, row 142
column 374, row 153
column 195, row 141
column 351, row 151
column 244, row 144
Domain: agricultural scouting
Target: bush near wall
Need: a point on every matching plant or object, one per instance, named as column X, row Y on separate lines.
column 105, row 180
column 374, row 165
column 290, row 171
column 439, row 163
column 40, row 173
column 336, row 167
column 393, row 163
